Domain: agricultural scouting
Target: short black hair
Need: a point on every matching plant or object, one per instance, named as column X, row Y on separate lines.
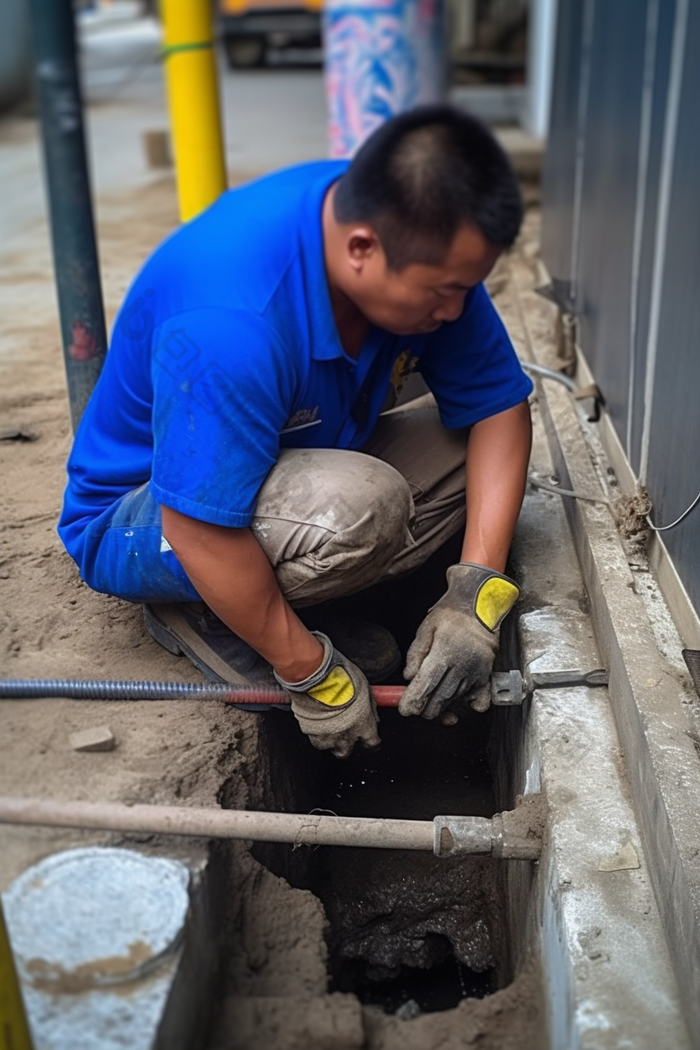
column 422, row 175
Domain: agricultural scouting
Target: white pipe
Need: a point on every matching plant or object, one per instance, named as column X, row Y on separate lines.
column 640, row 208
column 540, row 65
column 297, row 828
column 663, row 209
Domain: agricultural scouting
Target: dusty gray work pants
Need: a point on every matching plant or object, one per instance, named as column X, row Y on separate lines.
column 333, row 522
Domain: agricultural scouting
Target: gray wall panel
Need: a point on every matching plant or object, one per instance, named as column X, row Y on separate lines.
column 608, row 200
column 674, row 460
column 560, row 161
column 621, row 220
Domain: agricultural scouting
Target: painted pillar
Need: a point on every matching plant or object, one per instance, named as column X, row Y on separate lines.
column 193, row 99
column 382, row 57
column 14, row 1028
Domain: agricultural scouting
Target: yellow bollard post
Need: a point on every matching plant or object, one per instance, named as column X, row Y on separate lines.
column 14, row 1030
column 193, row 99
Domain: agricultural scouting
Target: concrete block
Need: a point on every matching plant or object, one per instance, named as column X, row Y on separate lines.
column 96, row 934
column 156, row 146
column 97, row 738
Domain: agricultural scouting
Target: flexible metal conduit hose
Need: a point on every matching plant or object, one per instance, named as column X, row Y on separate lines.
column 93, row 689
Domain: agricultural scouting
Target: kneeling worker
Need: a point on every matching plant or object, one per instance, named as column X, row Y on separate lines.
column 238, row 459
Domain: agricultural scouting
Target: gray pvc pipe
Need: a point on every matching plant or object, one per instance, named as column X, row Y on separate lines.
column 549, row 373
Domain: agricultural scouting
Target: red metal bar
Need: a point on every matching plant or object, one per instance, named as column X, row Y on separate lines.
column 384, row 695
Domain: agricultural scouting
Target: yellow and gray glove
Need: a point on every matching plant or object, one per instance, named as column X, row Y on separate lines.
column 334, row 706
column 452, row 656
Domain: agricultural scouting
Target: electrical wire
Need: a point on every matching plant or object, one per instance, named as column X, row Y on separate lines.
column 686, row 512
column 549, row 373
column 566, row 492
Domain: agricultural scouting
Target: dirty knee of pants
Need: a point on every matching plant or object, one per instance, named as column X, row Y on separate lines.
column 331, row 522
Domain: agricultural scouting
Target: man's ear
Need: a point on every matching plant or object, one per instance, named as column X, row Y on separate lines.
column 361, row 244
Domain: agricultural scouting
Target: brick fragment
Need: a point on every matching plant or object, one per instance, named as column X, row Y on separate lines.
column 97, row 738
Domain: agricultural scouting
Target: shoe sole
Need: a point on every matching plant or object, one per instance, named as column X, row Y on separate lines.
column 167, row 626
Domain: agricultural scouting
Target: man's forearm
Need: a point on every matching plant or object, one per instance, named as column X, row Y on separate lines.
column 232, row 574
column 498, row 454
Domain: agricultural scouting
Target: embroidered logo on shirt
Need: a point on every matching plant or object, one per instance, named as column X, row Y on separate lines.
column 404, row 365
column 304, row 417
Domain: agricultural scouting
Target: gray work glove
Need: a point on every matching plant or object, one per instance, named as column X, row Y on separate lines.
column 452, row 656
column 334, row 706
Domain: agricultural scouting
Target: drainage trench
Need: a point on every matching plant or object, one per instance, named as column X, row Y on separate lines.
column 411, row 932
column 423, row 944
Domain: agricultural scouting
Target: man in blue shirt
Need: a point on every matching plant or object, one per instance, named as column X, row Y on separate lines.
column 234, row 465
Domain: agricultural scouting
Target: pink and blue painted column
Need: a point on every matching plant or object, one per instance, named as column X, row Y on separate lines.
column 382, row 57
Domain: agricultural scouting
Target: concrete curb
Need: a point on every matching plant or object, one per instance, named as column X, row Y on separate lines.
column 606, row 963
column 646, row 693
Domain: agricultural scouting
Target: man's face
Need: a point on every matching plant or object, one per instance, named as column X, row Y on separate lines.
column 419, row 298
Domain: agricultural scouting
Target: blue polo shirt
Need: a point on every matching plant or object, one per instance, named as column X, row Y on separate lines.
column 226, row 351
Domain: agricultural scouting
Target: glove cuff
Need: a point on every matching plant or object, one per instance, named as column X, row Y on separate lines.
column 490, row 594
column 331, row 686
column 317, row 676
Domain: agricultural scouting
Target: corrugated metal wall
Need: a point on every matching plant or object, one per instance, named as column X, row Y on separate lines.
column 621, row 225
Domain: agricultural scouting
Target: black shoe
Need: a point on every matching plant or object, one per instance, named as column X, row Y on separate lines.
column 191, row 629
column 370, row 647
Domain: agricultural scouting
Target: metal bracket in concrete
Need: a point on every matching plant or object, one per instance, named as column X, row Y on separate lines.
column 511, row 688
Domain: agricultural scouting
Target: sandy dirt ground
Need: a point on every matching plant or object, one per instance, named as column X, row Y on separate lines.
column 51, row 624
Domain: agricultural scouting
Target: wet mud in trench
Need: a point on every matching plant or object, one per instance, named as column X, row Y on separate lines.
column 333, row 947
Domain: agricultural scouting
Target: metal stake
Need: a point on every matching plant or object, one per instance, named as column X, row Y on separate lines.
column 75, row 258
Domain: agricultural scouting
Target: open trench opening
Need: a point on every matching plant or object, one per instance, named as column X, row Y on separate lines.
column 407, row 933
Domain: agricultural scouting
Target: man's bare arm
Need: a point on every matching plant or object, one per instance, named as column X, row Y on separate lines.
column 231, row 572
column 498, row 453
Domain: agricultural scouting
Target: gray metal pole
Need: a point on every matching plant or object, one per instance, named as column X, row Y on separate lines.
column 540, row 65
column 70, row 207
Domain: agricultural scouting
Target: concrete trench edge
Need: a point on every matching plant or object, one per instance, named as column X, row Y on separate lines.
column 662, row 764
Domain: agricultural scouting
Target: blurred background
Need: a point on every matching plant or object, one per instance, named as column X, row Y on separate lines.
column 485, row 42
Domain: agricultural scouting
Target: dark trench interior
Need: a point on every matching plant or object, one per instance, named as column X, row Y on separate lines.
column 407, row 931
